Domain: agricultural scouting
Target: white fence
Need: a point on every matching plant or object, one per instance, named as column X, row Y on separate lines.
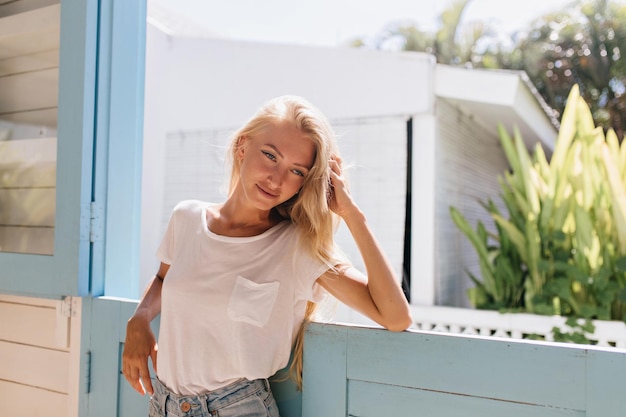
column 495, row 324
column 510, row 325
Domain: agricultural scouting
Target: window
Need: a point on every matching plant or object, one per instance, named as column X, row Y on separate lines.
column 29, row 72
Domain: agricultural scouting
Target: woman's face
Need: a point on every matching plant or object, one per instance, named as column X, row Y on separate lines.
column 274, row 164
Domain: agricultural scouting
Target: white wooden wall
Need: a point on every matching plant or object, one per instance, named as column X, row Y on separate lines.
column 469, row 160
column 29, row 72
column 39, row 341
column 27, row 195
column 29, row 61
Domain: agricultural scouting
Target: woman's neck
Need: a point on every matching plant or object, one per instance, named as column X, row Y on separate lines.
column 230, row 219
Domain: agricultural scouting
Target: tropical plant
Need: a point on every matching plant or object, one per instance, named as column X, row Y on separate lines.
column 562, row 248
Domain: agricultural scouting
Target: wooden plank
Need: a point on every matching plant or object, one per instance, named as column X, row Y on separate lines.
column 28, row 163
column 33, row 31
column 31, row 240
column 472, row 366
column 30, row 207
column 30, row 62
column 31, row 151
column 43, row 117
column 324, row 377
column 20, row 43
column 28, row 175
column 30, row 325
column 22, row 400
column 35, row 366
column 11, row 7
column 370, row 400
column 605, row 383
column 29, row 91
column 29, row 301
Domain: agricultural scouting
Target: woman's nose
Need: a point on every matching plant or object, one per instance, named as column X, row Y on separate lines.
column 277, row 175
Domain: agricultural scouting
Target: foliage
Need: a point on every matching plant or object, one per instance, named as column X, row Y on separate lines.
column 578, row 334
column 581, row 44
column 562, row 249
column 452, row 43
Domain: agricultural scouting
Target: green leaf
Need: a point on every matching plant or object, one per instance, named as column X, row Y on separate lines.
column 525, row 170
column 618, row 193
column 516, row 236
column 567, row 131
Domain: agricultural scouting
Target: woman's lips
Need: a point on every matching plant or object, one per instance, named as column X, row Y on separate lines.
column 266, row 193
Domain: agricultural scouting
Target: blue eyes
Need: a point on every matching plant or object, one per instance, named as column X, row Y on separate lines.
column 269, row 155
column 272, row 158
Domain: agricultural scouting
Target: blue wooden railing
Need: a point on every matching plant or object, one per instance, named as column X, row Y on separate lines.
column 350, row 371
column 357, row 371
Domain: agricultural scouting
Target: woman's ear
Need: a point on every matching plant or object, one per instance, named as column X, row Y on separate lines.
column 241, row 147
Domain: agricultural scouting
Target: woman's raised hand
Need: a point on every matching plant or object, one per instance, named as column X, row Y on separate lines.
column 339, row 200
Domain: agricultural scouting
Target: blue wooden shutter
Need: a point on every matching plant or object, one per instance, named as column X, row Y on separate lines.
column 66, row 271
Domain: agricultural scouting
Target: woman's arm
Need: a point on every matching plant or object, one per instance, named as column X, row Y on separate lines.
column 140, row 342
column 378, row 295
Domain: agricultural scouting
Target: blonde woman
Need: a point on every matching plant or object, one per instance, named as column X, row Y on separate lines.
column 238, row 280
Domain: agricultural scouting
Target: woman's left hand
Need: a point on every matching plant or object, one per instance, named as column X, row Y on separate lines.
column 339, row 200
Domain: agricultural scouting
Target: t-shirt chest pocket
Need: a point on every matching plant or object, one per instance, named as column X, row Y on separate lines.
column 252, row 302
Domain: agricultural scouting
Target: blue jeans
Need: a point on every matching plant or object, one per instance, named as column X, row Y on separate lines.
column 242, row 398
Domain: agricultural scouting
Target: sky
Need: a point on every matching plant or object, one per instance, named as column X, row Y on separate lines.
column 336, row 22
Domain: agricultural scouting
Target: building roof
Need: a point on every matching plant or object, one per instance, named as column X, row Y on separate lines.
column 499, row 96
column 172, row 23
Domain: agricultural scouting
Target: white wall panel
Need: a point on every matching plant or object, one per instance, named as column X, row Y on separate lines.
column 38, row 358
column 375, row 155
column 35, row 366
column 27, row 195
column 27, row 324
column 221, row 82
column 22, row 400
column 469, row 160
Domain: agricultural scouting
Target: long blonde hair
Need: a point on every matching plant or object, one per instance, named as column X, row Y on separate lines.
column 309, row 209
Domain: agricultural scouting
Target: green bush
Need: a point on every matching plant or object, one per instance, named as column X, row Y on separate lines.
column 561, row 248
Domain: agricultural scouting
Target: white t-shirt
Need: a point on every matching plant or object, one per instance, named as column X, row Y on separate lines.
column 231, row 307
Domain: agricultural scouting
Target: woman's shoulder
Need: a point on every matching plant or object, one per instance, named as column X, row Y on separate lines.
column 189, row 209
column 191, row 206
